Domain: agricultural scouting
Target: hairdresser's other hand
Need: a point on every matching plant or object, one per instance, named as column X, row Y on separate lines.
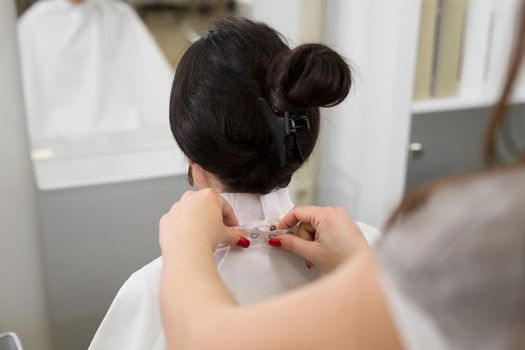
column 201, row 217
column 325, row 238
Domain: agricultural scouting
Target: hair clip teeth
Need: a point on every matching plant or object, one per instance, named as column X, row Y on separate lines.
column 296, row 123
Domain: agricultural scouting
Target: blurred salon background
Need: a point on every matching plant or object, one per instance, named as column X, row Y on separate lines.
column 89, row 165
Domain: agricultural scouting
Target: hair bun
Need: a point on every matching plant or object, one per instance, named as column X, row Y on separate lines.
column 310, row 75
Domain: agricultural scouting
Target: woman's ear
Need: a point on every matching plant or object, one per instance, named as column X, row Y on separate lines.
column 203, row 179
column 199, row 176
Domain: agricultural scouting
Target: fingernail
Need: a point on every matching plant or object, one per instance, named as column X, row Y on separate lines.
column 243, row 242
column 275, row 242
column 308, row 264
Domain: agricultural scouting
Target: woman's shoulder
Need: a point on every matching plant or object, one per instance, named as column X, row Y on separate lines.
column 147, row 276
column 145, row 281
column 133, row 319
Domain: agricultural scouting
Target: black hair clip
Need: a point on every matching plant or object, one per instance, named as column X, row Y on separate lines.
column 283, row 127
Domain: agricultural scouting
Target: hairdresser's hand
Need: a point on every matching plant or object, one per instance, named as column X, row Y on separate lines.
column 202, row 218
column 325, row 237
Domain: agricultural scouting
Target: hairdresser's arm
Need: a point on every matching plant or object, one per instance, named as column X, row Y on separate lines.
column 344, row 310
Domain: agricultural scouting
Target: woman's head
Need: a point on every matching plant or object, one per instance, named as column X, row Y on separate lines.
column 214, row 114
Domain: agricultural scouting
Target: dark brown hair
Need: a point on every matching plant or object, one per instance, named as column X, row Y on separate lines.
column 495, row 124
column 214, row 115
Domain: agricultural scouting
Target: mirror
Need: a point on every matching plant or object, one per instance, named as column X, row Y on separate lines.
column 97, row 77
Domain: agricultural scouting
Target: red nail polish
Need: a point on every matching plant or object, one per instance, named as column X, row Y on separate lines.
column 275, row 242
column 308, row 264
column 243, row 242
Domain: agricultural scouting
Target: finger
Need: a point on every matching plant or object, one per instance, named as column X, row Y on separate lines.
column 235, row 237
column 228, row 215
column 305, row 214
column 305, row 231
column 296, row 245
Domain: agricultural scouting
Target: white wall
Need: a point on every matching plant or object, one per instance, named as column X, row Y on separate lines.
column 22, row 297
column 283, row 16
column 364, row 140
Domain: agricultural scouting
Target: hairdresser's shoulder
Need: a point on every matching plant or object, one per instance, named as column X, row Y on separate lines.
column 486, row 190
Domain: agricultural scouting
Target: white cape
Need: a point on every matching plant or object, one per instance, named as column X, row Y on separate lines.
column 133, row 321
column 91, row 67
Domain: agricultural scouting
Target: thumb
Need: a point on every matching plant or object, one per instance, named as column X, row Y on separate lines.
column 235, row 237
column 296, row 245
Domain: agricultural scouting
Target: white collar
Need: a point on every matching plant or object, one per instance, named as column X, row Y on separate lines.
column 251, row 207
